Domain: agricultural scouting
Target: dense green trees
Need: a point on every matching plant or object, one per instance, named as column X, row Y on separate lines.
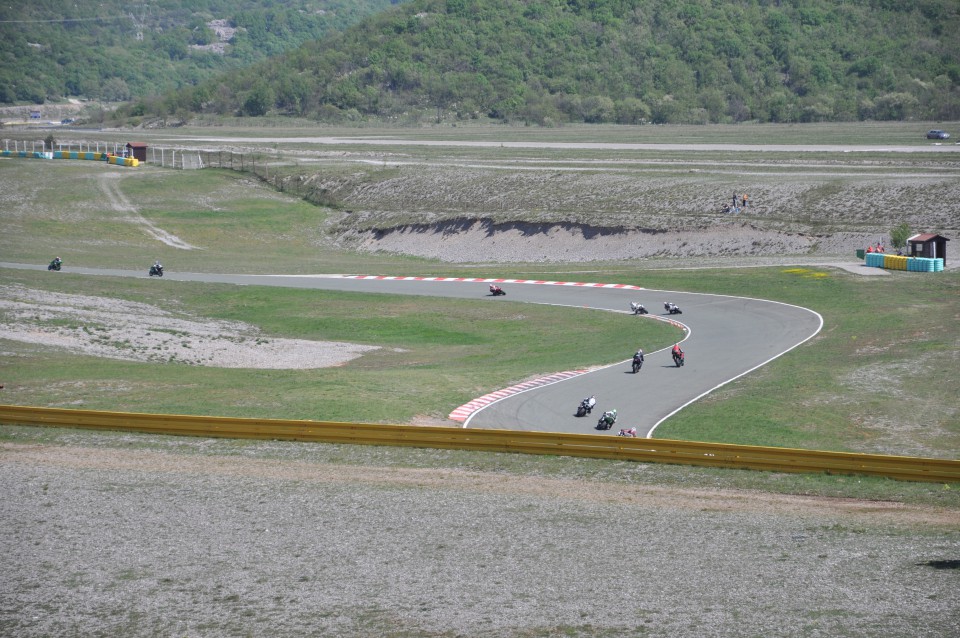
column 120, row 49
column 538, row 61
column 629, row 61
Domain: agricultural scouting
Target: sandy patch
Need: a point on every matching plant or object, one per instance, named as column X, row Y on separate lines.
column 463, row 241
column 119, row 329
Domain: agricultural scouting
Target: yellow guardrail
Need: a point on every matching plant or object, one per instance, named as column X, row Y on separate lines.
column 583, row 445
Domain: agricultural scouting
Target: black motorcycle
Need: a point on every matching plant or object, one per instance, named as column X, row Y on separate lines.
column 678, row 359
column 156, row 270
column 637, row 364
column 496, row 291
column 55, row 264
column 586, row 406
column 607, row 420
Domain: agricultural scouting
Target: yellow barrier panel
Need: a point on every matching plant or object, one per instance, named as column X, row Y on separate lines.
column 894, row 262
column 582, row 445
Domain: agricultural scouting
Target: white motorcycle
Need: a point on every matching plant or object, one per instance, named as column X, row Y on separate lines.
column 586, row 406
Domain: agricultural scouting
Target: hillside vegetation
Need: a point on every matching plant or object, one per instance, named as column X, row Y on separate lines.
column 115, row 50
column 623, row 61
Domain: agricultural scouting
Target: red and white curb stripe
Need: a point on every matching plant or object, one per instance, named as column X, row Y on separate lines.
column 497, row 281
column 464, row 411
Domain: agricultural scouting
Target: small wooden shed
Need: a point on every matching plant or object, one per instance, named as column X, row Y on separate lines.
column 137, row 150
column 928, row 245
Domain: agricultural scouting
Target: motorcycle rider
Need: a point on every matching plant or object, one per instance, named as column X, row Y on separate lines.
column 628, row 432
column 157, row 266
column 637, row 308
column 610, row 417
column 589, row 402
column 638, row 356
column 677, row 351
column 668, row 306
column 56, row 262
column 494, row 289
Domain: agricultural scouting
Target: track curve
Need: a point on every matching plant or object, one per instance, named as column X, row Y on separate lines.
column 727, row 337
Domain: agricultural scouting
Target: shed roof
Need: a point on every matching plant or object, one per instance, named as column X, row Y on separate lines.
column 927, row 237
column 137, row 144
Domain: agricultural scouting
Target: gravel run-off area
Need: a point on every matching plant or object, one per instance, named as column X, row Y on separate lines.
column 192, row 538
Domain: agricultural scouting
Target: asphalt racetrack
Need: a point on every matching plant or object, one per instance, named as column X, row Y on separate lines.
column 724, row 338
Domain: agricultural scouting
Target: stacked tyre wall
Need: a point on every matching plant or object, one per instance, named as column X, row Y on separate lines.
column 77, row 155
column 899, row 262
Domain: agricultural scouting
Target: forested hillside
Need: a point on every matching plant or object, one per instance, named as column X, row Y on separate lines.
column 115, row 50
column 628, row 61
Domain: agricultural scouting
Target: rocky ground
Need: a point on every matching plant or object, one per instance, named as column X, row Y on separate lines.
column 550, row 211
column 119, row 329
column 143, row 536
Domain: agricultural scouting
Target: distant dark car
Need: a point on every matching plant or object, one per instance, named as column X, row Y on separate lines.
column 67, row 120
column 937, row 134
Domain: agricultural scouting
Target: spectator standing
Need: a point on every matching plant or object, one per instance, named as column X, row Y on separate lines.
column 744, row 200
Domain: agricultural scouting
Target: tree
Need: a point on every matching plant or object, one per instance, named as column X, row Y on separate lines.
column 258, row 101
column 900, row 235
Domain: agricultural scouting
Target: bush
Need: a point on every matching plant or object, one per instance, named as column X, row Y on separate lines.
column 900, row 235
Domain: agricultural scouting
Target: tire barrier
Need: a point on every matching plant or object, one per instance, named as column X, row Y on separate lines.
column 122, row 161
column 80, row 155
column 27, row 154
column 772, row 459
column 900, row 262
column 84, row 155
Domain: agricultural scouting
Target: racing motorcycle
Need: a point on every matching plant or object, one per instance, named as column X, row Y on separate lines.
column 672, row 308
column 638, row 308
column 496, row 291
column 607, row 420
column 637, row 363
column 586, row 406
column 55, row 264
column 156, row 270
column 678, row 359
column 628, row 432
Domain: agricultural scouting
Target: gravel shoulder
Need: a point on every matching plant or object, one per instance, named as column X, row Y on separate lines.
column 142, row 542
column 119, row 329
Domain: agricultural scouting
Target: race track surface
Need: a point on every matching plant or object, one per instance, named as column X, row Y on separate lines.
column 726, row 337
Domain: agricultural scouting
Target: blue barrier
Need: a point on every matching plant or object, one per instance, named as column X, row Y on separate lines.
column 83, row 155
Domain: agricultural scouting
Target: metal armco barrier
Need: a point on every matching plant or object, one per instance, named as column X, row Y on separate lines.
column 583, row 445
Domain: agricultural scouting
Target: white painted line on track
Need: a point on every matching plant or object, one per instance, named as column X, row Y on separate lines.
column 470, row 409
column 759, row 365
